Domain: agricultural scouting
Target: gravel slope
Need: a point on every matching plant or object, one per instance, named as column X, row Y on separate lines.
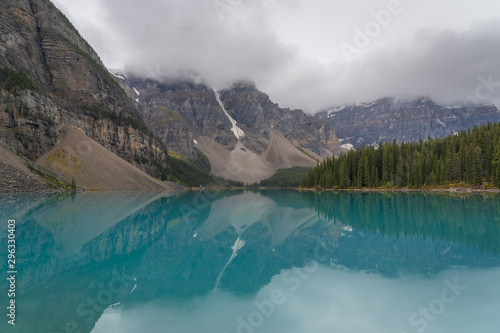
column 243, row 165
column 16, row 177
column 94, row 167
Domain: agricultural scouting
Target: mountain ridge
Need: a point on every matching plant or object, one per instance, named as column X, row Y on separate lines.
column 409, row 120
column 51, row 78
column 245, row 136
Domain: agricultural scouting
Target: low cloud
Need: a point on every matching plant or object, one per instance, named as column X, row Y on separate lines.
column 449, row 67
column 223, row 41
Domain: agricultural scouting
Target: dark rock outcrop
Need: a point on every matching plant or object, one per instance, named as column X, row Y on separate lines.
column 388, row 119
column 255, row 110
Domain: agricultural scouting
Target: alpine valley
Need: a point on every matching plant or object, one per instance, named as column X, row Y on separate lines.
column 67, row 122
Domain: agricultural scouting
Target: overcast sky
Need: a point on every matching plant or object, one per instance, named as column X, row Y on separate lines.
column 307, row 54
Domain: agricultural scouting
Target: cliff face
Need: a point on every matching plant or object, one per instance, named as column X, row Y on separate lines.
column 387, row 120
column 70, row 86
column 243, row 133
column 259, row 116
column 178, row 111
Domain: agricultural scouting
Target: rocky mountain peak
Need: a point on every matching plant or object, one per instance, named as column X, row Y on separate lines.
column 191, row 117
column 408, row 120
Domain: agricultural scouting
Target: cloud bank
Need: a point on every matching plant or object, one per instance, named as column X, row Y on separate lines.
column 292, row 48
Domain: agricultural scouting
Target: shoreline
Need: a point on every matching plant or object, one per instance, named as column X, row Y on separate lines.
column 437, row 190
column 367, row 190
column 180, row 189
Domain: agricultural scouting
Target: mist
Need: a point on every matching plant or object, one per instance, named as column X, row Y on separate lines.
column 293, row 49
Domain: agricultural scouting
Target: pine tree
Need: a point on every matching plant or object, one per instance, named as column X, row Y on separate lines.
column 477, row 173
column 471, row 156
column 361, row 174
column 368, row 182
column 496, row 166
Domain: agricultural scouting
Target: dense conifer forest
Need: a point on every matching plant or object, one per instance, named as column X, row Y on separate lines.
column 468, row 158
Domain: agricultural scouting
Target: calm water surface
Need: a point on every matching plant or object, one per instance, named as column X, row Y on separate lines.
column 270, row 261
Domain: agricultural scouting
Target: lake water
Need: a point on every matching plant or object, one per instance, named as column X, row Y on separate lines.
column 240, row 261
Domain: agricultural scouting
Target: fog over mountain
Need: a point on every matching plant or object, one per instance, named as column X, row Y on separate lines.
column 306, row 54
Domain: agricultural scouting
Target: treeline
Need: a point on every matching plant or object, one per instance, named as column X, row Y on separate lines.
column 470, row 157
column 284, row 178
column 188, row 172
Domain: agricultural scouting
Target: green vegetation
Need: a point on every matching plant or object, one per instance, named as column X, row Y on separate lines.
column 52, row 181
column 188, row 172
column 466, row 159
column 201, row 161
column 66, row 21
column 285, row 178
column 305, row 152
column 21, row 138
column 99, row 112
column 12, row 80
column 168, row 117
column 94, row 62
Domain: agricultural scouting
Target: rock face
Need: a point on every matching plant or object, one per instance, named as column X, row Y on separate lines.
column 245, row 136
column 177, row 111
column 387, row 120
column 258, row 116
column 70, row 87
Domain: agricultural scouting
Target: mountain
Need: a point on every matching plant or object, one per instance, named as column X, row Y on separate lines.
column 51, row 80
column 389, row 119
column 245, row 136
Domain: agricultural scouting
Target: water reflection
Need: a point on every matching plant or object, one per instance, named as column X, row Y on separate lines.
column 82, row 254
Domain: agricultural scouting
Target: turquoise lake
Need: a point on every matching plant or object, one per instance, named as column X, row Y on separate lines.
column 244, row 261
